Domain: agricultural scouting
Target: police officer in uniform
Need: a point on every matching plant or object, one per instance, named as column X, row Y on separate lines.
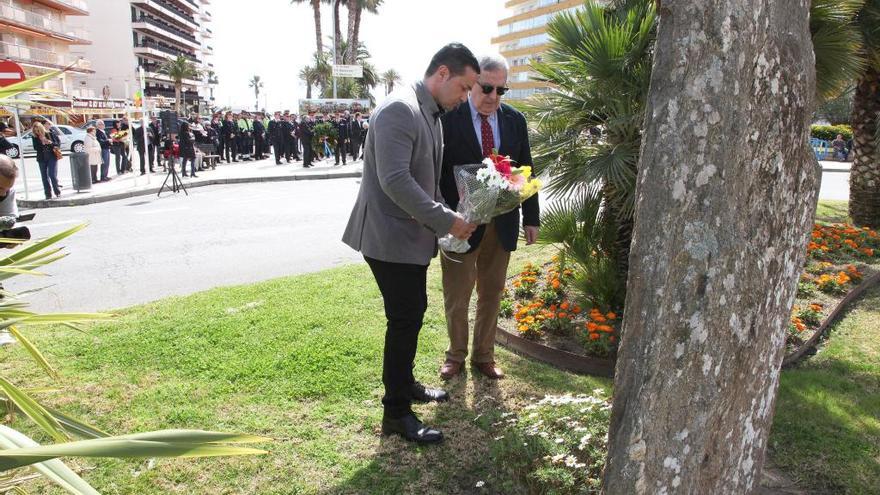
column 306, row 132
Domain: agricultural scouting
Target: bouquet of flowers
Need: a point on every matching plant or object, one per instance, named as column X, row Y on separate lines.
column 487, row 190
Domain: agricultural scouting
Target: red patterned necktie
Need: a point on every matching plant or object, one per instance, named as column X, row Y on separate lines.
column 487, row 136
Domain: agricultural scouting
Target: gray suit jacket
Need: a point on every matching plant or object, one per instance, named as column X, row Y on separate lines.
column 399, row 211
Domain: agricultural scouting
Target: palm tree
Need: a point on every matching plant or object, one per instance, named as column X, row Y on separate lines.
column 316, row 8
column 323, row 71
column 309, row 76
column 179, row 69
column 589, row 127
column 389, row 78
column 864, row 181
column 257, row 84
column 355, row 9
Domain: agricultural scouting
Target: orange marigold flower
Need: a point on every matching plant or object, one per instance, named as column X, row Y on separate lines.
column 576, row 310
column 594, row 336
column 592, row 326
column 555, row 284
column 563, row 314
column 816, row 307
column 599, row 319
column 606, row 329
column 564, row 305
column 612, row 315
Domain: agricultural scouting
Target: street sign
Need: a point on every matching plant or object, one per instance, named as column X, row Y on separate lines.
column 10, row 73
column 355, row 71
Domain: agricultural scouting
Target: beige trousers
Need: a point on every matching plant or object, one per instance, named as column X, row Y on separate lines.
column 487, row 268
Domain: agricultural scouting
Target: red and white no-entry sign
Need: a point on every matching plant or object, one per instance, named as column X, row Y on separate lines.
column 10, row 73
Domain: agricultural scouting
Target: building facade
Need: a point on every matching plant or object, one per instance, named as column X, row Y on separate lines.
column 128, row 34
column 522, row 39
column 42, row 35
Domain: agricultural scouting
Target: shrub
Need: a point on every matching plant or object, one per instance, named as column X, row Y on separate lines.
column 830, row 132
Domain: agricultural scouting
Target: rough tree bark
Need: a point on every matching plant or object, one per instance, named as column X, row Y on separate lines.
column 864, row 179
column 316, row 10
column 726, row 192
column 353, row 33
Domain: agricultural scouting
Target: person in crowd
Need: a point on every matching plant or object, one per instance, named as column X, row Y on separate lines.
column 141, row 139
column 187, row 149
column 259, row 137
column 470, row 134
column 8, row 205
column 154, row 140
column 227, row 138
column 93, row 148
column 839, row 147
column 120, row 147
column 366, row 127
column 276, row 135
column 343, row 137
column 291, row 129
column 357, row 135
column 397, row 217
column 106, row 144
column 45, row 145
column 125, row 126
column 307, row 133
column 245, row 135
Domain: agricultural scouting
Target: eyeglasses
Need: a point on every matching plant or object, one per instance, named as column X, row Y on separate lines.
column 487, row 89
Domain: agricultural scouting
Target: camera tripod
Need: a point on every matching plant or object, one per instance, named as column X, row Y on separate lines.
column 176, row 183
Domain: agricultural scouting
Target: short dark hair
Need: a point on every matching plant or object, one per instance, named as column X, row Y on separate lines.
column 456, row 57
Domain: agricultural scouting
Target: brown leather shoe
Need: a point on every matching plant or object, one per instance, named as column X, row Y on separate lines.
column 490, row 369
column 450, row 369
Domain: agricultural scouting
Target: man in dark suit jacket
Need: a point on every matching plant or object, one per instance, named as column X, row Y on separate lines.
column 470, row 133
column 357, row 135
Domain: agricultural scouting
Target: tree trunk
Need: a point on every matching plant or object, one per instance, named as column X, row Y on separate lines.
column 353, row 7
column 725, row 198
column 316, row 8
column 864, row 179
column 337, row 29
column 308, row 91
column 177, row 87
column 357, row 32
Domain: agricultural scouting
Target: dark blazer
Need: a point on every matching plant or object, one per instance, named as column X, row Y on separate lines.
column 187, row 146
column 343, row 130
column 461, row 147
column 103, row 140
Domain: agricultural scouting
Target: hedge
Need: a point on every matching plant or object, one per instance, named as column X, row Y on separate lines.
column 830, row 132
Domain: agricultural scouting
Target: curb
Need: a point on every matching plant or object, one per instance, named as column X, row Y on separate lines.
column 802, row 352
column 583, row 365
column 60, row 203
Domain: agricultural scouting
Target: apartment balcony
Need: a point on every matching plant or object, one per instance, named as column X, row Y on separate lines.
column 68, row 7
column 158, row 76
column 206, row 16
column 38, row 57
column 155, row 50
column 158, row 29
column 169, row 11
column 207, row 33
column 28, row 22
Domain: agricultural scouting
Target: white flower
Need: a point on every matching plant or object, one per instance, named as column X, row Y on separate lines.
column 480, row 484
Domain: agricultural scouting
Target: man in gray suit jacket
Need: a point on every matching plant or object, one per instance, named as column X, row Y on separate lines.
column 398, row 215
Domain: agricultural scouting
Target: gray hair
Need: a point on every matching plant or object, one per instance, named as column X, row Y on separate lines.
column 493, row 62
column 8, row 168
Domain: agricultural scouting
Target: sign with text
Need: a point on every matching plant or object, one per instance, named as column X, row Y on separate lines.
column 355, row 71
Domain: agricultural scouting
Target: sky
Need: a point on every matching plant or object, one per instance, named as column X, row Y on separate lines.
column 274, row 39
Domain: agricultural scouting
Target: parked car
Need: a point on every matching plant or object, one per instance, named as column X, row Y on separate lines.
column 108, row 123
column 72, row 140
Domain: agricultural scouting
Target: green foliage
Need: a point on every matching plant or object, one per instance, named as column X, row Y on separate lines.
column 837, row 110
column 19, row 450
column 324, row 130
column 830, row 132
column 506, row 310
column 582, row 229
column 836, row 45
column 553, row 446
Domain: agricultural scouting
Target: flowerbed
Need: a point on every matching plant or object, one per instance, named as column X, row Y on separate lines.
column 539, row 305
column 839, row 257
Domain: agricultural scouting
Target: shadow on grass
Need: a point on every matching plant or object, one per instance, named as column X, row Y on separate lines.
column 833, row 212
column 455, row 466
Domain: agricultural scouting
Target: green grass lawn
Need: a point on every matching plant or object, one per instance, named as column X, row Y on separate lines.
column 299, row 360
column 295, row 359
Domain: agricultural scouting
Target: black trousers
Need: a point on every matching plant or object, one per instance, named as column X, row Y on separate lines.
column 355, row 148
column 404, row 291
column 341, row 150
column 153, row 151
column 258, row 145
column 279, row 147
column 308, row 153
column 230, row 149
column 291, row 149
column 142, row 156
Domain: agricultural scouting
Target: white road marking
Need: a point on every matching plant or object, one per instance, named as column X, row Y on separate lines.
column 52, row 224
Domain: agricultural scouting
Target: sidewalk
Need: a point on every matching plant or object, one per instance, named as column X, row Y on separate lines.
column 133, row 184
column 835, row 166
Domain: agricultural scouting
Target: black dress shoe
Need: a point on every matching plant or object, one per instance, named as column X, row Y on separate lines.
column 411, row 429
column 421, row 393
